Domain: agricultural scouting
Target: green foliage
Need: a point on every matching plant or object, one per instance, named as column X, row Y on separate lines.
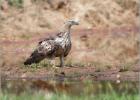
column 25, row 36
column 17, row 3
column 24, row 96
column 87, row 90
column 126, row 66
column 35, row 66
column 60, row 96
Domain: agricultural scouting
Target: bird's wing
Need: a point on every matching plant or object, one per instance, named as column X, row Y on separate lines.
column 49, row 45
column 46, row 47
column 46, row 39
column 60, row 34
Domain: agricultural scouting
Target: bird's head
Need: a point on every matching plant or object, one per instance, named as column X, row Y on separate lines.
column 70, row 23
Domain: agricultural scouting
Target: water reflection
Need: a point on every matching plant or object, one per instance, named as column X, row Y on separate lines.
column 74, row 88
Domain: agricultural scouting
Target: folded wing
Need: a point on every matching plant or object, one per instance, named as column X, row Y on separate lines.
column 45, row 48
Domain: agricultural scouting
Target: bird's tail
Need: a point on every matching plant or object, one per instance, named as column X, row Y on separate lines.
column 34, row 58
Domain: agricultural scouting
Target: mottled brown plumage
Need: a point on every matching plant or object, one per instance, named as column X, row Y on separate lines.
column 58, row 46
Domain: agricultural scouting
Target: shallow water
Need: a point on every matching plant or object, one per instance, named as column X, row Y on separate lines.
column 18, row 86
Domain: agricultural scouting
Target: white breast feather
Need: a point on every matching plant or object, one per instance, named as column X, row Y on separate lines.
column 46, row 45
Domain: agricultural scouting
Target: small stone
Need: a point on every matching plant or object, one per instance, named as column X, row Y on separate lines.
column 118, row 76
column 89, row 27
column 118, row 81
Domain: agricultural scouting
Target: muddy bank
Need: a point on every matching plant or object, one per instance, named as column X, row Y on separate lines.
column 76, row 74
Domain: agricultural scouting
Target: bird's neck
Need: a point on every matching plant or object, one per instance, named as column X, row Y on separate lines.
column 66, row 28
column 66, row 35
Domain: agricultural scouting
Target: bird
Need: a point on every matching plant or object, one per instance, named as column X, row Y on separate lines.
column 54, row 46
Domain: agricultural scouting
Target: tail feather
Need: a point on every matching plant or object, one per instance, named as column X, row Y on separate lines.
column 43, row 50
column 34, row 58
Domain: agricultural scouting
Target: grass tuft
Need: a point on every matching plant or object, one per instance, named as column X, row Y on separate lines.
column 16, row 3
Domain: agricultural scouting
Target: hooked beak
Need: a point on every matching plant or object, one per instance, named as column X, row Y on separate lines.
column 73, row 22
column 76, row 22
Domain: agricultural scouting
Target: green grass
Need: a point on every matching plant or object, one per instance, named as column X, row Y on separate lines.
column 98, row 97
column 24, row 96
column 44, row 63
column 60, row 96
column 16, row 3
column 86, row 90
column 25, row 36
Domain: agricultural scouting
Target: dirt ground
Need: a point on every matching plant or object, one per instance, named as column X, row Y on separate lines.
column 116, row 51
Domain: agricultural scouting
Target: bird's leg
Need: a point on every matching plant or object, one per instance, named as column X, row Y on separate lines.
column 61, row 61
